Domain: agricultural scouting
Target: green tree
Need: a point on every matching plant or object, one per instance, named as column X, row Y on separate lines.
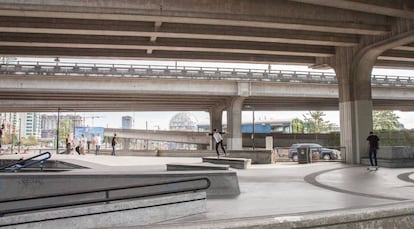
column 297, row 126
column 65, row 127
column 385, row 120
column 30, row 141
column 314, row 122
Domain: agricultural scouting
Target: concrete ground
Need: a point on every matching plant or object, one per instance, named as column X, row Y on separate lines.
column 283, row 189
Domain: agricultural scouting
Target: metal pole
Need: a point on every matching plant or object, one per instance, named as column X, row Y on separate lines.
column 57, row 132
column 253, row 129
column 20, row 131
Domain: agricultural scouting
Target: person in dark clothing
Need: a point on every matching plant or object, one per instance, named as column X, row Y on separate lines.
column 114, row 142
column 373, row 146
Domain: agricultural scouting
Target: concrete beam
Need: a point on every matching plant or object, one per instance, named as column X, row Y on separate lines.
column 225, row 15
column 290, row 37
column 403, row 9
column 285, row 50
column 47, row 93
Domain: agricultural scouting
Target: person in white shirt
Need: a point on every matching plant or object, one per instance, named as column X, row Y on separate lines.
column 219, row 141
column 98, row 142
column 82, row 144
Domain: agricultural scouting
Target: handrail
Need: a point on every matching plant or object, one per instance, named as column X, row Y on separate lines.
column 22, row 163
column 106, row 199
column 192, row 72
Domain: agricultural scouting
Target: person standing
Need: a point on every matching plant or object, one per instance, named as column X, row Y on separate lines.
column 76, row 144
column 82, row 144
column 373, row 146
column 114, row 142
column 98, row 142
column 1, row 134
column 68, row 144
column 219, row 141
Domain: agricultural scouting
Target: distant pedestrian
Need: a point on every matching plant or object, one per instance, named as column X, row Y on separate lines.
column 68, row 144
column 1, row 134
column 373, row 146
column 219, row 141
column 82, row 144
column 114, row 142
column 76, row 144
column 98, row 142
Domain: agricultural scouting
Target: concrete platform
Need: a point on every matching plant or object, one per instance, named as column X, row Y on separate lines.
column 237, row 163
column 289, row 195
column 195, row 167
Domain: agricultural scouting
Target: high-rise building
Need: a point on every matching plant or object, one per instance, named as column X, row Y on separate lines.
column 126, row 122
column 49, row 123
column 30, row 123
column 11, row 122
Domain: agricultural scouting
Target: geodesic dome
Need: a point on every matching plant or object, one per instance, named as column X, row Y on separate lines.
column 183, row 121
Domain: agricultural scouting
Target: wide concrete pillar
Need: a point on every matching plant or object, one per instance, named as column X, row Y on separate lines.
column 353, row 67
column 355, row 101
column 216, row 120
column 234, row 134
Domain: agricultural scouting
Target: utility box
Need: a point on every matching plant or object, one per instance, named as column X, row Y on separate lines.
column 304, row 155
column 269, row 142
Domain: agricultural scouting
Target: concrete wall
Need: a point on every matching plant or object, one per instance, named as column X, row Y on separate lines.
column 394, row 157
column 20, row 185
column 118, row 214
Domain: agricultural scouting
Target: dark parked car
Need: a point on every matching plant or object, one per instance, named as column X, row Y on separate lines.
column 324, row 153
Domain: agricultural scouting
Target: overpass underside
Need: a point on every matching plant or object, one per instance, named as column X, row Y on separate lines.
column 347, row 35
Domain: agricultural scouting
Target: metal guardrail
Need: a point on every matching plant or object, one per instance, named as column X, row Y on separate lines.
column 185, row 72
column 106, row 191
column 18, row 165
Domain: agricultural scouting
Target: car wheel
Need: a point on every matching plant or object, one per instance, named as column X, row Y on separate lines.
column 295, row 157
column 327, row 157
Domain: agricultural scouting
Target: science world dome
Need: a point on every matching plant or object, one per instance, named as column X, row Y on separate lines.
column 183, row 121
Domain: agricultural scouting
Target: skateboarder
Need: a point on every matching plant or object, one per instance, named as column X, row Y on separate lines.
column 373, row 146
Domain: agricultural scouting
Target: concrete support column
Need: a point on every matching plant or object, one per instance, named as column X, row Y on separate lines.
column 234, row 135
column 355, row 100
column 216, row 114
column 216, row 121
column 353, row 67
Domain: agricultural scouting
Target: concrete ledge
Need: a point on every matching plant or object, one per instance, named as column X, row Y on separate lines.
column 391, row 163
column 198, row 166
column 120, row 214
column 237, row 163
column 399, row 215
column 393, row 157
column 257, row 156
column 224, row 183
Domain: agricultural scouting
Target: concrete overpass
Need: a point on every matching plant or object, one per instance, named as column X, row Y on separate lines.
column 31, row 86
column 200, row 138
column 350, row 36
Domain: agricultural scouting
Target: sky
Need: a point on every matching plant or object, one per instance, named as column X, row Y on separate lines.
column 160, row 120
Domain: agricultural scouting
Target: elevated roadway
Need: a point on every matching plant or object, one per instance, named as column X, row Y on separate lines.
column 201, row 138
column 31, row 86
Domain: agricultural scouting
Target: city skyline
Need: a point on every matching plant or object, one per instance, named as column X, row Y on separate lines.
column 160, row 120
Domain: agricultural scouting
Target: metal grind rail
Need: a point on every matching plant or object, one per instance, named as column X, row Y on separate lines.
column 18, row 165
column 197, row 184
column 186, row 72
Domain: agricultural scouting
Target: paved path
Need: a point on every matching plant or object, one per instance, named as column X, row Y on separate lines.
column 281, row 189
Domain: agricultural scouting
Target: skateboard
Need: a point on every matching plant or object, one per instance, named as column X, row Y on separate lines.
column 372, row 168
